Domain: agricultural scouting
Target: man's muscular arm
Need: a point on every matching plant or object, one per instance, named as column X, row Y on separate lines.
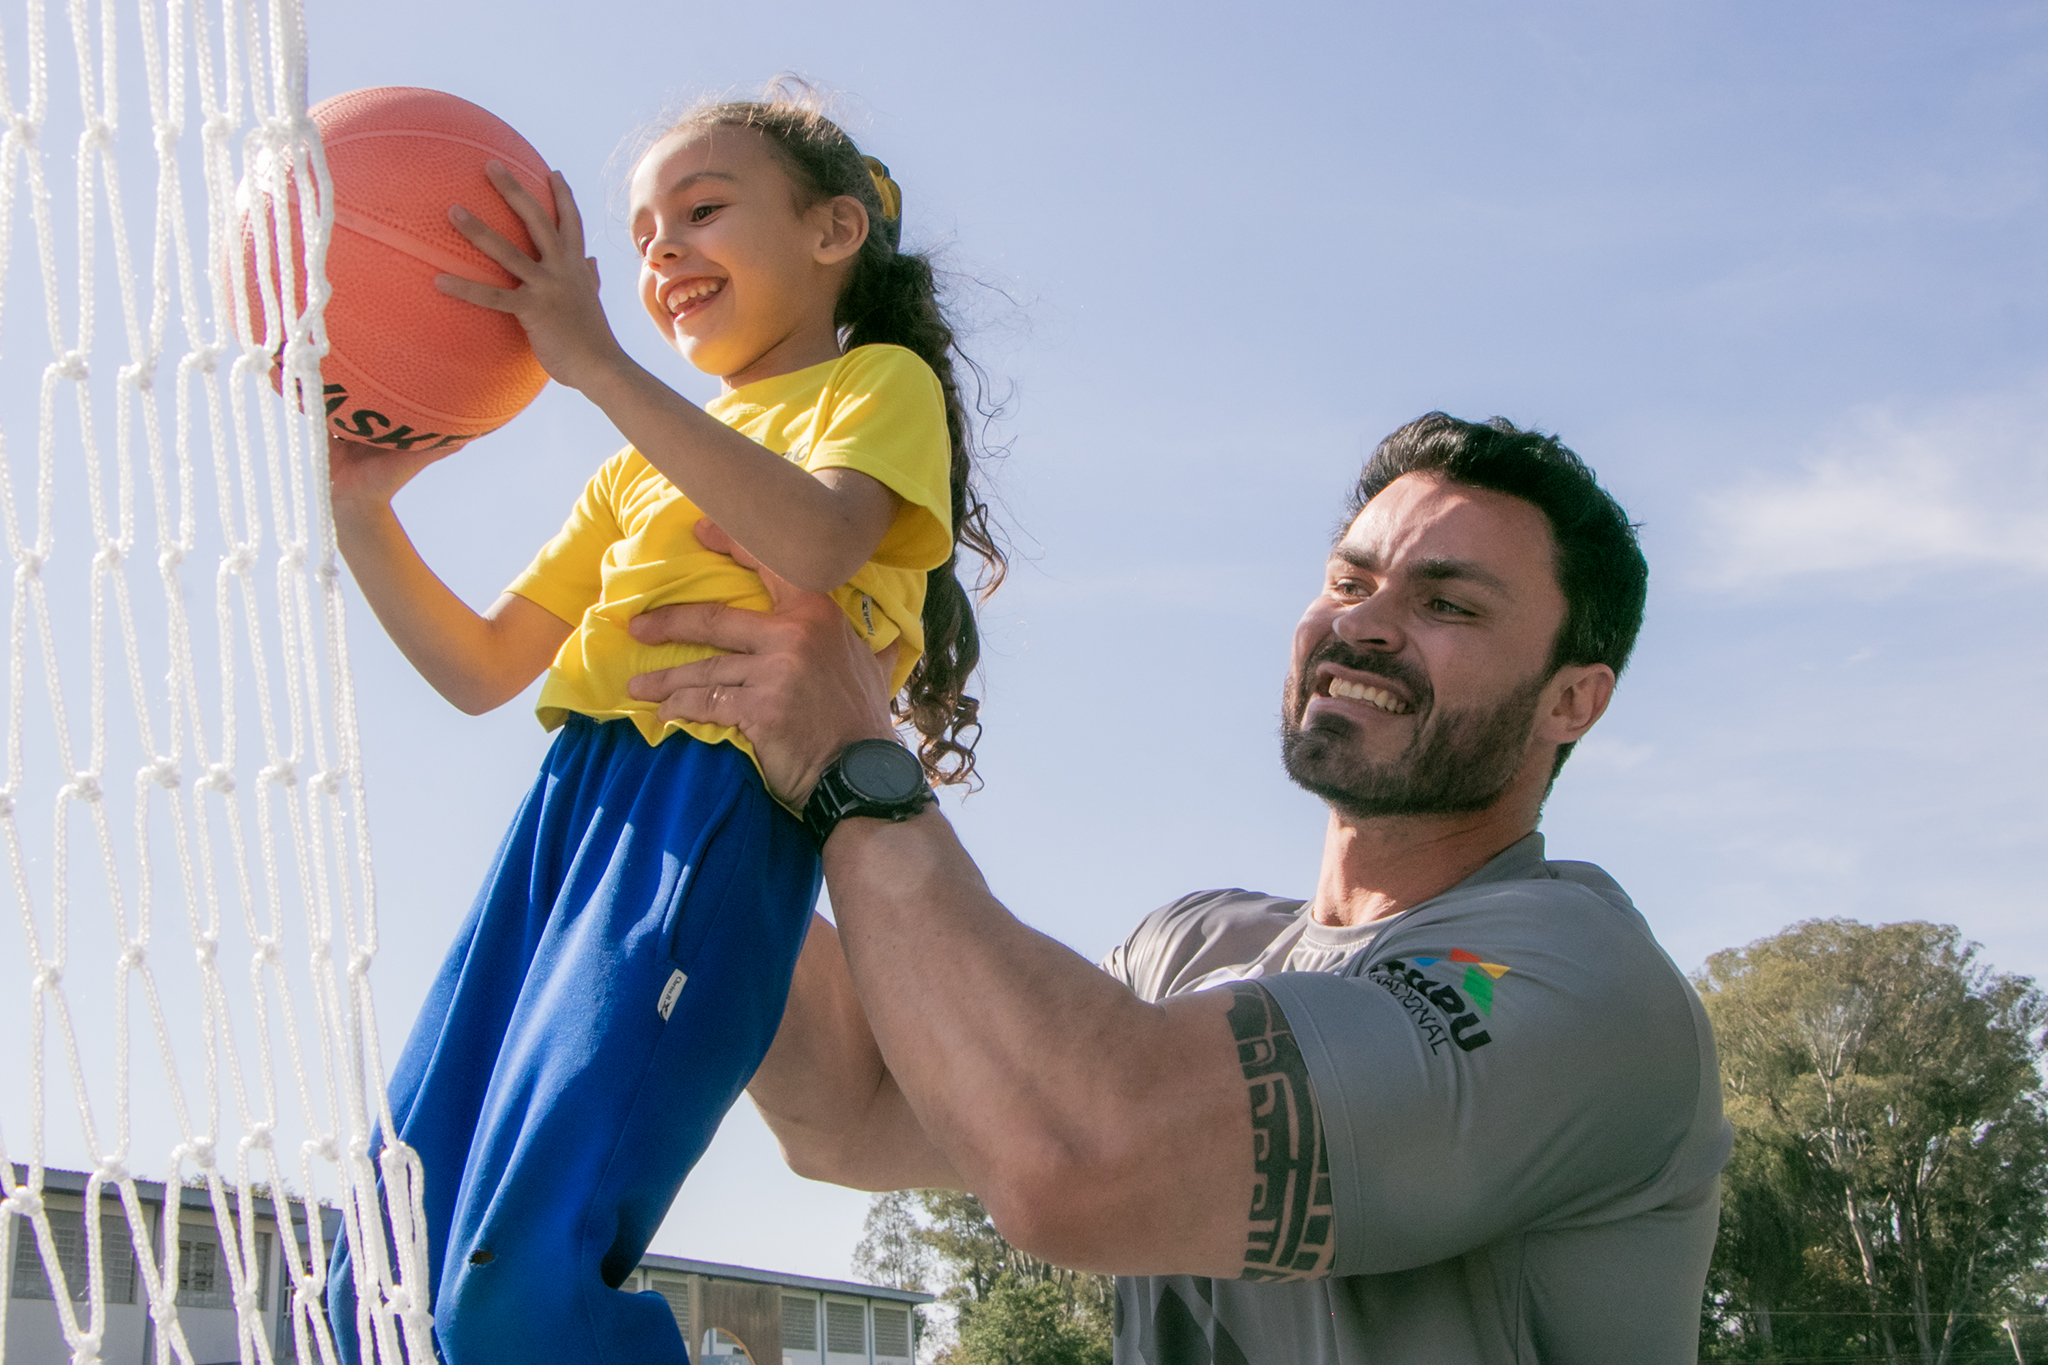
column 962, row 1047
column 1292, row 1234
column 826, row 1094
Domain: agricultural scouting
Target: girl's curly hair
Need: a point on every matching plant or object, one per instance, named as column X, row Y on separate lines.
column 892, row 297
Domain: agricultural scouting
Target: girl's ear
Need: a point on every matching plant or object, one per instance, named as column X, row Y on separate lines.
column 842, row 227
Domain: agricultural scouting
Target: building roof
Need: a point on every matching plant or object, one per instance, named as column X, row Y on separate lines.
column 683, row 1265
column 152, row 1192
column 57, row 1181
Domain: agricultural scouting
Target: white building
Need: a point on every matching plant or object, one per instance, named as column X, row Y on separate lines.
column 205, row 1301
column 732, row 1312
column 728, row 1314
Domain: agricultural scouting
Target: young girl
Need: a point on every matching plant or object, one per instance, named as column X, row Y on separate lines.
column 625, row 966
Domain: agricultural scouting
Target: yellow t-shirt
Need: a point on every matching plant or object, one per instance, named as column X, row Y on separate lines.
column 630, row 543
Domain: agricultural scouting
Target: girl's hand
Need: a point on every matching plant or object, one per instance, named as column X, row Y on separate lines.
column 365, row 478
column 556, row 299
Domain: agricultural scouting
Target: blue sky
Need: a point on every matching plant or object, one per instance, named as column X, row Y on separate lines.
column 1777, row 272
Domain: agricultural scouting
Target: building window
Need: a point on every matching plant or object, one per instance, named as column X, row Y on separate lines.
column 203, row 1279
column 67, row 1230
column 892, row 1331
column 845, row 1329
column 677, row 1294
column 799, row 1323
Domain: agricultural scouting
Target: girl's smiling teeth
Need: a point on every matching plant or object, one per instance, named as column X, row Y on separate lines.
column 689, row 292
column 1351, row 691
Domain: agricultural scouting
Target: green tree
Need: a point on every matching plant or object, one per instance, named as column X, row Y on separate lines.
column 1885, row 1198
column 893, row 1250
column 1021, row 1322
column 1012, row 1307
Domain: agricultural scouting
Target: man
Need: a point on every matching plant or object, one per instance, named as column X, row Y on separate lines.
column 1456, row 1107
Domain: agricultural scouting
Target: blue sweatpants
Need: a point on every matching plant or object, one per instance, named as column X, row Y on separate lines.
column 616, row 984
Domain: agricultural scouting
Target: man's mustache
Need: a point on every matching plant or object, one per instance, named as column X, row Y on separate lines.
column 1377, row 662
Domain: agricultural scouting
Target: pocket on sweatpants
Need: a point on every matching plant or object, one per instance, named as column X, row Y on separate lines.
column 707, row 880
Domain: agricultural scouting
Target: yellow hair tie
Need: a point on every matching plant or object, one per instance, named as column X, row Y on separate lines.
column 891, row 193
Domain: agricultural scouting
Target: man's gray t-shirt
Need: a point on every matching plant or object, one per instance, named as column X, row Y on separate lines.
column 1523, row 1113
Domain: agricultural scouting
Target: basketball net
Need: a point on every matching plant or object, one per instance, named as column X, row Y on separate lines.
column 187, row 847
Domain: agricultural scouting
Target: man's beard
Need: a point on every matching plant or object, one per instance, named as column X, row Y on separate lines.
column 1457, row 761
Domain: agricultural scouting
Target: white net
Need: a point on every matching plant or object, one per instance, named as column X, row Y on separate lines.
column 190, row 1025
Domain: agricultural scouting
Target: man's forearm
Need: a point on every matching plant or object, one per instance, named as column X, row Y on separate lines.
column 1079, row 1113
column 825, row 1093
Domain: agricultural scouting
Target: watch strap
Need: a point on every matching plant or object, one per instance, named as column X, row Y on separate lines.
column 834, row 798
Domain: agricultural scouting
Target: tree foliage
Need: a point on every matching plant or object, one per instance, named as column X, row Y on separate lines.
column 1025, row 1322
column 1012, row 1308
column 1884, row 1200
column 893, row 1250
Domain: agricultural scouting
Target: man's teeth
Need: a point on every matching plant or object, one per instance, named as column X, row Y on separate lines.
column 1351, row 691
column 689, row 293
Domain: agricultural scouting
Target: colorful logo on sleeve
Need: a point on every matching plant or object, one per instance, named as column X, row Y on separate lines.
column 1444, row 1012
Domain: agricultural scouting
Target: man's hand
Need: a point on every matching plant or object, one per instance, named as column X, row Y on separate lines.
column 798, row 682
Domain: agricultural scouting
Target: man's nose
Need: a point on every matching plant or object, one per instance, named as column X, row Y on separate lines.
column 1370, row 623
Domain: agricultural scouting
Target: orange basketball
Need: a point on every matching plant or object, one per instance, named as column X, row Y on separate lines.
column 408, row 367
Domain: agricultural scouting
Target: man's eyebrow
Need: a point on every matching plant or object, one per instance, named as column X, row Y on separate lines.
column 1357, row 559
column 1445, row 569
column 1436, row 569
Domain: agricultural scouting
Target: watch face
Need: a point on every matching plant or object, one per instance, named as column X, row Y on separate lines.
column 880, row 771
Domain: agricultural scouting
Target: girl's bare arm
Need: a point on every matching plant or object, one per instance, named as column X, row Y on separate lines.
column 813, row 530
column 477, row 661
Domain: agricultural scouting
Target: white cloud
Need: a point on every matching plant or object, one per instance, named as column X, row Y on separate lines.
column 1890, row 495
column 1612, row 753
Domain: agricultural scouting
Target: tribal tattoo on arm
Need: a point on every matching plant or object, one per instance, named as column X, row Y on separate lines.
column 1291, row 1234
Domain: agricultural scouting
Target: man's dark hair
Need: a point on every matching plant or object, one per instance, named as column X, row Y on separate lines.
column 1600, row 567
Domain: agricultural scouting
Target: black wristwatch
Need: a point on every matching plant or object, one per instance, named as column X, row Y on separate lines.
column 872, row 777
